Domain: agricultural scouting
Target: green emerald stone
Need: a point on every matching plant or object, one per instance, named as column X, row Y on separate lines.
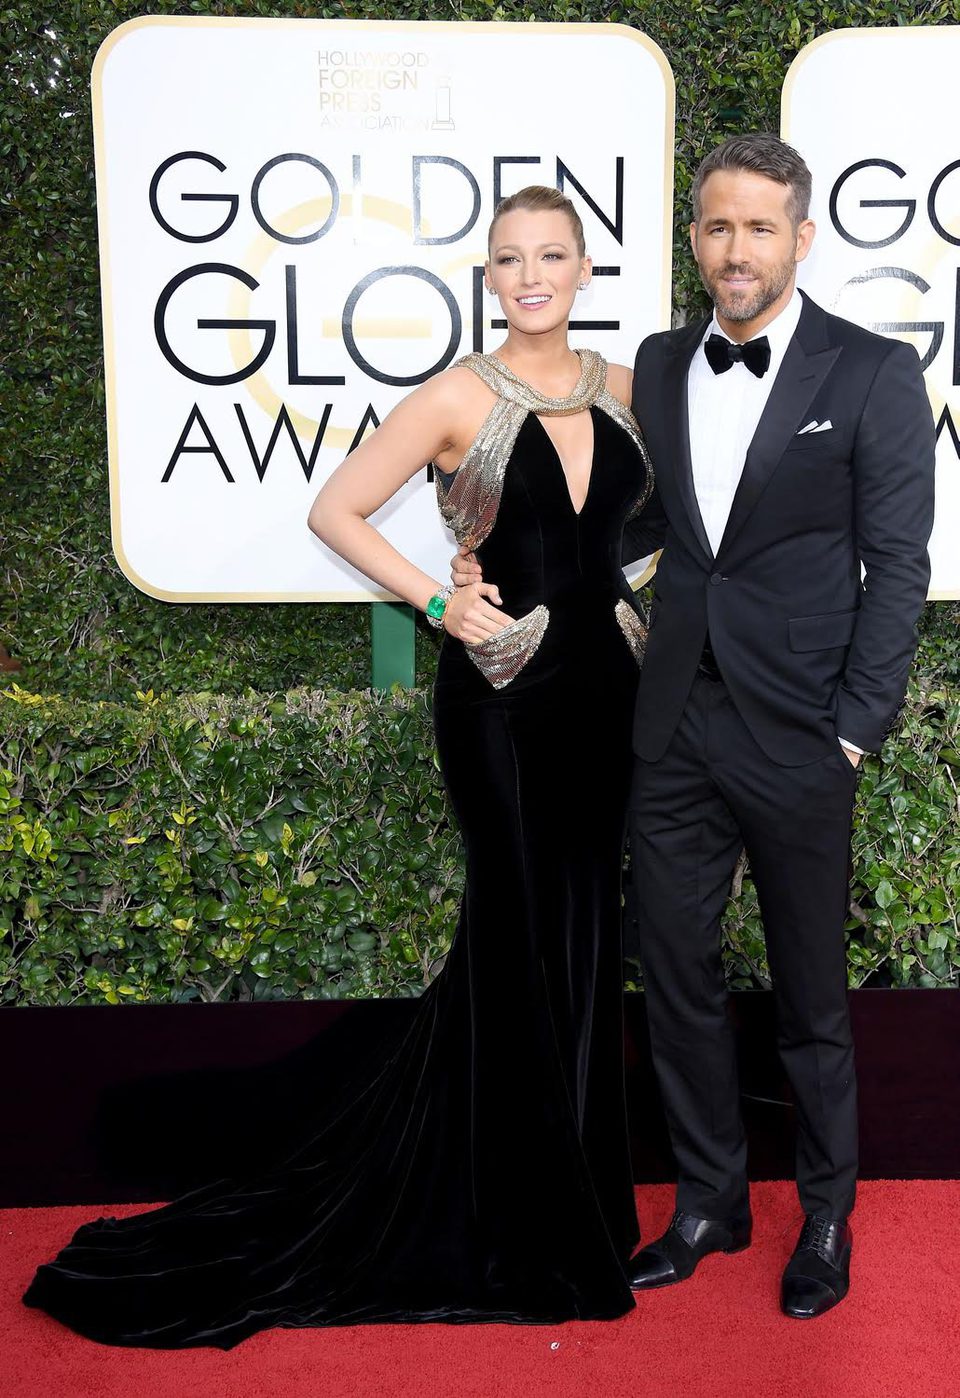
column 436, row 607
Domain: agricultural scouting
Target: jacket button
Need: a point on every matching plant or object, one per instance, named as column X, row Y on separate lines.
column 716, row 579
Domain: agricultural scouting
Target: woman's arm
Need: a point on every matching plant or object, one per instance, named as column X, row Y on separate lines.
column 431, row 422
column 645, row 534
column 620, row 382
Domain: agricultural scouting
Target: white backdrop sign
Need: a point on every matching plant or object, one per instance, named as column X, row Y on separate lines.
column 875, row 114
column 293, row 217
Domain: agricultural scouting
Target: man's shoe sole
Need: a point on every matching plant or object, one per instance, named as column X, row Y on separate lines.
column 810, row 1315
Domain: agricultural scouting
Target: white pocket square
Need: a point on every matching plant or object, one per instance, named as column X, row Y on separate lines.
column 815, row 426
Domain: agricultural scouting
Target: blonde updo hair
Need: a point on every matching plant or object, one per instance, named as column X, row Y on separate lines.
column 536, row 199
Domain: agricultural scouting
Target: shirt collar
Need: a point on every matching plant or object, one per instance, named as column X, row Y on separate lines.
column 779, row 332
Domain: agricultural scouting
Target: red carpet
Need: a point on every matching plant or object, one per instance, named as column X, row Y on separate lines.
column 718, row 1336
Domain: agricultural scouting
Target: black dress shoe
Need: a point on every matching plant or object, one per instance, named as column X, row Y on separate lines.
column 674, row 1257
column 817, row 1276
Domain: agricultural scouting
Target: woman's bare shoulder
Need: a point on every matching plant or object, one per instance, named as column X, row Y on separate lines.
column 620, row 382
column 461, row 401
column 459, row 384
column 448, row 397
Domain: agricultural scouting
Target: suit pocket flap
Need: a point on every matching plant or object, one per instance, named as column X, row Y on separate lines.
column 822, row 632
column 814, row 440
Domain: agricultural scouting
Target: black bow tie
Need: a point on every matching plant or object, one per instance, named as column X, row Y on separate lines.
column 721, row 353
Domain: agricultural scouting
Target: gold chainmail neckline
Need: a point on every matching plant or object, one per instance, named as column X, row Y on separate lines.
column 508, row 385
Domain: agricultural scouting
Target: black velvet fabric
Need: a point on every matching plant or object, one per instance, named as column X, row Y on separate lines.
column 476, row 1167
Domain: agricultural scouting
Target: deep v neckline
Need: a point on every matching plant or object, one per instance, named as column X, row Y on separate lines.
column 560, row 466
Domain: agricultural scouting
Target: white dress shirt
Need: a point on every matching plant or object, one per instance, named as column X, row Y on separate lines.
column 723, row 411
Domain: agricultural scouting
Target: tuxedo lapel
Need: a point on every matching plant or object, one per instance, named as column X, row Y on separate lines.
column 809, row 358
column 679, row 354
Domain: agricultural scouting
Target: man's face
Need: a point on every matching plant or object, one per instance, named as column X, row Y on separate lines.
column 747, row 247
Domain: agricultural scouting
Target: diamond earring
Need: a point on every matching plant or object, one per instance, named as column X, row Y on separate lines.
column 582, row 286
column 492, row 290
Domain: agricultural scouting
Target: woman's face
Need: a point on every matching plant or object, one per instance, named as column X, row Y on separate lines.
column 534, row 267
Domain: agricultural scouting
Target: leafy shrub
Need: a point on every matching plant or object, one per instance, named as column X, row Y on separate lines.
column 256, row 846
column 221, row 848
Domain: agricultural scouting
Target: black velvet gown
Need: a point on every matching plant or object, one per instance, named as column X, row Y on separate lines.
column 476, row 1168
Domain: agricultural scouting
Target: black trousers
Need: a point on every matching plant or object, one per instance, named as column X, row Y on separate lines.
column 713, row 791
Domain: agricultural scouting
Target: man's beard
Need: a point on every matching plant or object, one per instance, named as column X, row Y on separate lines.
column 741, row 306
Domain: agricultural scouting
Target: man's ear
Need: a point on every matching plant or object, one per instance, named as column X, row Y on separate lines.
column 805, row 235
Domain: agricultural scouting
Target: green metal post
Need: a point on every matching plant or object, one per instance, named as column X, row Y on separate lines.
column 392, row 645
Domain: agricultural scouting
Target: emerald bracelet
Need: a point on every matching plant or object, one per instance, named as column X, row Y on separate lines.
column 438, row 605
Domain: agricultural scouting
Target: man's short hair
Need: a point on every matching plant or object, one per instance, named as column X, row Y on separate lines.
column 761, row 153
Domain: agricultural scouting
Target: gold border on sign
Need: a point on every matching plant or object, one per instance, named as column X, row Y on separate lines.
column 574, row 30
column 786, row 114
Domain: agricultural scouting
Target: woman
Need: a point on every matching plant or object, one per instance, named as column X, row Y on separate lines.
column 479, row 1170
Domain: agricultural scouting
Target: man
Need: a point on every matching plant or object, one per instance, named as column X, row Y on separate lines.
column 790, row 447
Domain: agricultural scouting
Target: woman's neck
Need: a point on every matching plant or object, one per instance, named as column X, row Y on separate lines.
column 545, row 361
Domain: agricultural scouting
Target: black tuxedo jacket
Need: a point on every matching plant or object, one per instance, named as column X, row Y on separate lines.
column 808, row 651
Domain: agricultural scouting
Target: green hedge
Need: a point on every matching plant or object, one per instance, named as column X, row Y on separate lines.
column 212, row 847
column 221, row 848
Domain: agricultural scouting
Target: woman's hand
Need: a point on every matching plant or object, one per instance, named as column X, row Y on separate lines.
column 464, row 568
column 471, row 617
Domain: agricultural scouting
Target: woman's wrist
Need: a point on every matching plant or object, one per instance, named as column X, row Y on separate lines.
column 437, row 605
